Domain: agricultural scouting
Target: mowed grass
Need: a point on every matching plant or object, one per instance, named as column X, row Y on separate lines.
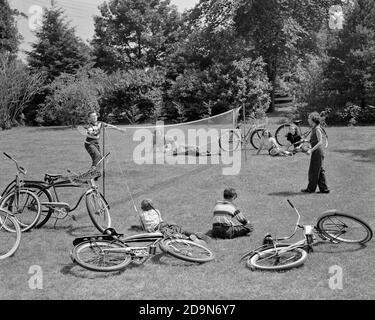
column 186, row 194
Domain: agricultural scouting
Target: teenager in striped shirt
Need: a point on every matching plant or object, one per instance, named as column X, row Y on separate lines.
column 224, row 213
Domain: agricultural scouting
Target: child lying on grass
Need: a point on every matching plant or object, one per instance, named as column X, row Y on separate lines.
column 268, row 142
column 152, row 221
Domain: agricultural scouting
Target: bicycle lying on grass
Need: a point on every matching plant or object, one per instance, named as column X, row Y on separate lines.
column 231, row 140
column 47, row 192
column 111, row 252
column 333, row 226
column 22, row 203
column 9, row 241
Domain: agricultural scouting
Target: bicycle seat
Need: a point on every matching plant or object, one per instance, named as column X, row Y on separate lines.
column 52, row 176
column 297, row 121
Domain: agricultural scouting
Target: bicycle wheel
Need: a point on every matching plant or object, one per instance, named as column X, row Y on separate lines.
column 9, row 241
column 344, row 228
column 325, row 138
column 281, row 133
column 25, row 207
column 101, row 255
column 255, row 138
column 98, row 210
column 44, row 196
column 230, row 141
column 269, row 258
column 187, row 250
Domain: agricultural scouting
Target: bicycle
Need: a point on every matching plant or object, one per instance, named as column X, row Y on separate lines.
column 333, row 226
column 108, row 252
column 231, row 139
column 47, row 191
column 283, row 130
column 10, row 241
column 23, row 204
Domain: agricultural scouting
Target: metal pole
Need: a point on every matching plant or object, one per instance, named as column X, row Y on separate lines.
column 104, row 161
column 244, row 128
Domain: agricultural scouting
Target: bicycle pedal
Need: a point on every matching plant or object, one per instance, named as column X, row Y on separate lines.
column 74, row 218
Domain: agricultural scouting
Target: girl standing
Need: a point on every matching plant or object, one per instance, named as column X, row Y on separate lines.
column 316, row 171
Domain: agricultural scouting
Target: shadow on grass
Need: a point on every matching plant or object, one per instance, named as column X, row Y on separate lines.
column 286, row 194
column 338, row 247
column 82, row 230
column 79, row 272
column 360, row 154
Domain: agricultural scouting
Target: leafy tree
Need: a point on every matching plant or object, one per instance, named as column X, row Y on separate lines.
column 57, row 49
column 72, row 97
column 17, row 88
column 135, row 33
column 134, row 95
column 350, row 72
column 9, row 36
column 280, row 29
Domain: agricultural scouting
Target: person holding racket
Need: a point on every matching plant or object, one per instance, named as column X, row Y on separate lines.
column 93, row 131
column 316, row 171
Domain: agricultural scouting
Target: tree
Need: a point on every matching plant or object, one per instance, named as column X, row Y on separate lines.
column 17, row 88
column 350, row 72
column 135, row 33
column 57, row 49
column 9, row 36
column 72, row 97
column 280, row 30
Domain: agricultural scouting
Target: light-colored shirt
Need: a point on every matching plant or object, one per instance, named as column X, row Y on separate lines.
column 93, row 131
column 150, row 219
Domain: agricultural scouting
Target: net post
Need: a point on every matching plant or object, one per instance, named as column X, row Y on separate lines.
column 104, row 161
column 244, row 128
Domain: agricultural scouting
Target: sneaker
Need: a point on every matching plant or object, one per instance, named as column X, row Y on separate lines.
column 324, row 191
column 202, row 236
column 307, row 191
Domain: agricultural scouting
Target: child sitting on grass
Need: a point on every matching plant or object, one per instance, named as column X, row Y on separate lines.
column 268, row 142
column 295, row 140
column 152, row 221
column 224, row 212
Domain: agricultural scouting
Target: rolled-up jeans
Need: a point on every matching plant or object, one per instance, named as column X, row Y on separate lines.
column 93, row 149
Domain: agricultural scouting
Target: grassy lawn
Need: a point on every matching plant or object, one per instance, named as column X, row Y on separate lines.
column 186, row 195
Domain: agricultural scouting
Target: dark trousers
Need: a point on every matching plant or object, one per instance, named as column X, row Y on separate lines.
column 316, row 172
column 165, row 227
column 93, row 149
column 229, row 232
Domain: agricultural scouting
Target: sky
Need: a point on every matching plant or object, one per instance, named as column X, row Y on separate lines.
column 79, row 13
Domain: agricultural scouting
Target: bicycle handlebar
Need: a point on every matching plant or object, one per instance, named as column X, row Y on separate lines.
column 19, row 168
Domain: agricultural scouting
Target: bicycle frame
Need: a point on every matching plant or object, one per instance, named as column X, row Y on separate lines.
column 252, row 128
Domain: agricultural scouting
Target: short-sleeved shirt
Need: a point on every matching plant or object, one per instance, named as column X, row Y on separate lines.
column 151, row 219
column 224, row 212
column 93, row 132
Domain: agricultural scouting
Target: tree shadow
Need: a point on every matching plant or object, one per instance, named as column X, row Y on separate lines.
column 360, row 155
column 287, row 194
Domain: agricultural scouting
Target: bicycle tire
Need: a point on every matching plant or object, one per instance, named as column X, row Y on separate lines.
column 230, row 141
column 325, row 138
column 278, row 134
column 255, row 138
column 331, row 216
column 253, row 261
column 118, row 260
column 34, row 206
column 6, row 217
column 44, row 196
column 98, row 209
column 169, row 246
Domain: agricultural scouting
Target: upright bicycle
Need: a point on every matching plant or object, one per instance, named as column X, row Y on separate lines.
column 283, row 130
column 9, row 241
column 53, row 207
column 233, row 139
column 111, row 252
column 333, row 226
column 22, row 203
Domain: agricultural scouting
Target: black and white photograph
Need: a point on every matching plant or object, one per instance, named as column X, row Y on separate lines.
column 187, row 155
